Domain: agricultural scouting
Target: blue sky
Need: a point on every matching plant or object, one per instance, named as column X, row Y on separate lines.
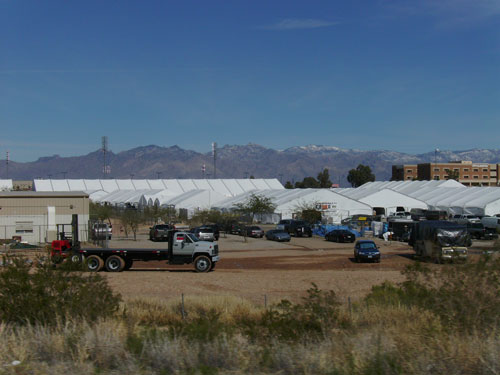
column 398, row 75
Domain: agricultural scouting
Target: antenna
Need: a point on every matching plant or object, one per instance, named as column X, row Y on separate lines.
column 104, row 149
column 214, row 152
column 203, row 170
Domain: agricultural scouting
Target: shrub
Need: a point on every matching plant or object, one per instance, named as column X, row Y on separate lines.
column 464, row 297
column 49, row 296
column 312, row 318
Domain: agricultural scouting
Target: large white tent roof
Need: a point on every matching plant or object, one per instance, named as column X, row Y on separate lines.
column 227, row 187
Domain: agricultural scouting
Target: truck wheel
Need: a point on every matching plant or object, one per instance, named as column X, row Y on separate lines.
column 94, row 263
column 75, row 258
column 202, row 264
column 128, row 264
column 115, row 264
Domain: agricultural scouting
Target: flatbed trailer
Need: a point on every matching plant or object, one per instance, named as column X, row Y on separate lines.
column 183, row 248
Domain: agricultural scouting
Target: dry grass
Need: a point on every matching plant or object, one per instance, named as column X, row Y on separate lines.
column 380, row 340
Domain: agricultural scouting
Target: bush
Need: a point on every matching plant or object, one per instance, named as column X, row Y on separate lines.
column 49, row 296
column 313, row 318
column 465, row 297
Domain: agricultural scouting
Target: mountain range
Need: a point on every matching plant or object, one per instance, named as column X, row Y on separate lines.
column 233, row 161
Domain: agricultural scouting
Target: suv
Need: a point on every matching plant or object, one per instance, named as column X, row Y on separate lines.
column 340, row 235
column 204, row 233
column 298, row 228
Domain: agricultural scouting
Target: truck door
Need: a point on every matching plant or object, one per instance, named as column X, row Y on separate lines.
column 183, row 245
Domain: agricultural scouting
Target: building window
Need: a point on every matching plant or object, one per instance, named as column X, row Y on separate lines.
column 466, row 176
column 456, row 169
column 466, row 169
column 436, row 169
column 436, row 177
column 24, row 227
column 409, row 171
column 476, row 170
column 485, row 169
column 408, row 177
column 476, row 177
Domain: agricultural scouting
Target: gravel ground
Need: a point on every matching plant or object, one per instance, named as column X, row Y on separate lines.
column 257, row 269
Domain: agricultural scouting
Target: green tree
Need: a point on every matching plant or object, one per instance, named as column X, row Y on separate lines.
column 307, row 182
column 256, row 204
column 102, row 212
column 453, row 174
column 361, row 175
column 324, row 179
column 288, row 185
column 130, row 219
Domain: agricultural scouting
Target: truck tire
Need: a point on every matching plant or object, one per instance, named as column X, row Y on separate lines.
column 202, row 263
column 114, row 263
column 94, row 263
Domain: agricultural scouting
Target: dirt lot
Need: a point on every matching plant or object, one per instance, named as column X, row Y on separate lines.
column 259, row 269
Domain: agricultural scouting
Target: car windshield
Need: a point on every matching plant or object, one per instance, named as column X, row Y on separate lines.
column 206, row 230
column 163, row 226
column 192, row 237
column 367, row 246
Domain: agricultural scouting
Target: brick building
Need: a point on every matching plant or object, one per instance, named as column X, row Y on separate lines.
column 469, row 173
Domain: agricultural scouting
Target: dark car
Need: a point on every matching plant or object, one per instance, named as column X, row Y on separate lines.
column 234, row 228
column 366, row 250
column 277, row 235
column 340, row 235
column 297, row 228
column 254, row 231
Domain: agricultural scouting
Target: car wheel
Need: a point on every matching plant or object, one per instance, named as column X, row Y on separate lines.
column 202, row 264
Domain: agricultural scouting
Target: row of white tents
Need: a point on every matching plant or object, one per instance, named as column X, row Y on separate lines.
column 336, row 204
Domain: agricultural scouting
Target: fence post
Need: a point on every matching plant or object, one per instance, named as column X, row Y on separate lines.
column 349, row 305
column 265, row 301
column 183, row 312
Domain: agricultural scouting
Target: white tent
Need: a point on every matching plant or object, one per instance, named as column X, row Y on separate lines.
column 334, row 206
column 387, row 199
column 6, row 185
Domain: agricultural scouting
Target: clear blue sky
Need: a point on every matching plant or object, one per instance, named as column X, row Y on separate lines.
column 399, row 75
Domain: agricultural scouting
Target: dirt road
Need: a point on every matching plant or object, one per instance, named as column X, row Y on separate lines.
column 259, row 269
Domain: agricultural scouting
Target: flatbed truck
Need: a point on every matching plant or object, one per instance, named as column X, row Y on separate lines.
column 183, row 248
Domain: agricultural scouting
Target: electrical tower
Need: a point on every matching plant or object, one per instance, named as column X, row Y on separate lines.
column 105, row 168
column 214, row 152
column 7, row 164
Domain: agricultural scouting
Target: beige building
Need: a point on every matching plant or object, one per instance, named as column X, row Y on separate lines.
column 34, row 216
column 469, row 173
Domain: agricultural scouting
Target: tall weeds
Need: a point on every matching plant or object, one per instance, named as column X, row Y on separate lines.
column 433, row 323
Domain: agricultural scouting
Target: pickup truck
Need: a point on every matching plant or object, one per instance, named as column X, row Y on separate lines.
column 297, row 228
column 159, row 232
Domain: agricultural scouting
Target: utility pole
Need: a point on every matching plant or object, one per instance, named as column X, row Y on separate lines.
column 158, row 175
column 214, row 151
column 203, row 170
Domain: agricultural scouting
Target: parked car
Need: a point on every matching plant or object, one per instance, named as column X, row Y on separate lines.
column 278, row 235
column 297, row 228
column 340, row 235
column 216, row 230
column 204, row 233
column 234, row 228
column 254, row 231
column 366, row 250
column 159, row 232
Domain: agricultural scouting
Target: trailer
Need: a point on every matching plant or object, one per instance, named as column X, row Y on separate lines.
column 439, row 240
column 183, row 248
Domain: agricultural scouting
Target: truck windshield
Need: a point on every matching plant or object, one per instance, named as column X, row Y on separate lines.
column 193, row 237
